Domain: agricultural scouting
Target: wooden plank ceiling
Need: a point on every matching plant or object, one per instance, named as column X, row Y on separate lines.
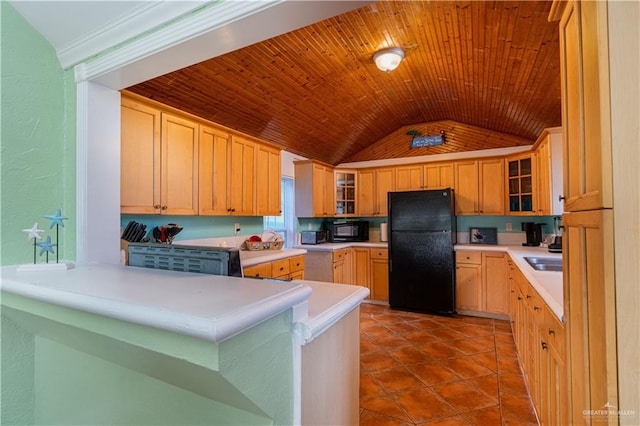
column 316, row 92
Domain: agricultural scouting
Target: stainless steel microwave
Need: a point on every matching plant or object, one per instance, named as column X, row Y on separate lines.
column 350, row 230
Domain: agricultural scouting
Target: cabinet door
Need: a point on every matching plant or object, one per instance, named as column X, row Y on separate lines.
column 329, row 194
column 495, row 276
column 321, row 201
column 268, row 187
column 241, row 177
column 179, row 171
column 365, row 189
column 468, row 287
column 491, row 190
column 380, row 279
column 362, row 266
column 140, row 158
column 213, row 171
column 408, row 178
column 383, row 185
column 466, row 187
column 542, row 189
column 338, row 271
column 585, row 106
column 590, row 307
column 438, row 175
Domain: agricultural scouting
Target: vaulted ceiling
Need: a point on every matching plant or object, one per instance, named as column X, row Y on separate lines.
column 316, row 91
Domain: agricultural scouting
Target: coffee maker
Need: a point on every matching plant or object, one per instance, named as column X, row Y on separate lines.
column 556, row 245
column 533, row 232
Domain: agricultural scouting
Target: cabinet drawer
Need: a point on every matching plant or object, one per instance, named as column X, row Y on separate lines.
column 262, row 270
column 553, row 331
column 280, row 267
column 340, row 254
column 379, row 254
column 474, row 257
column 296, row 264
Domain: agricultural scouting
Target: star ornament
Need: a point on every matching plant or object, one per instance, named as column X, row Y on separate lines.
column 56, row 219
column 47, row 246
column 33, row 233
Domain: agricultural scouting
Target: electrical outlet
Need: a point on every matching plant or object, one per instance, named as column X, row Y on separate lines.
column 236, row 228
column 509, row 226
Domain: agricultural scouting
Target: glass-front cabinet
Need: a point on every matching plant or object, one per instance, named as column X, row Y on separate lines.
column 520, row 185
column 345, row 193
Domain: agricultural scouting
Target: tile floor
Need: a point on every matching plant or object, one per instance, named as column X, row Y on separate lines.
column 420, row 369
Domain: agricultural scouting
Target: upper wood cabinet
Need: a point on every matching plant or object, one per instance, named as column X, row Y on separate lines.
column 140, row 158
column 520, row 184
column 268, row 181
column 314, row 189
column 345, row 192
column 478, row 187
column 547, row 157
column 438, row 175
column 409, row 178
column 213, row 158
column 586, row 109
column 242, row 161
column 373, row 187
column 159, row 161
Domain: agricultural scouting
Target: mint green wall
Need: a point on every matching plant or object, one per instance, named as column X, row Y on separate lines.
column 17, row 392
column 194, row 227
column 500, row 222
column 37, row 137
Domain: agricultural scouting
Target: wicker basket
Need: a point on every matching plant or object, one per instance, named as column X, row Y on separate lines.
column 264, row 245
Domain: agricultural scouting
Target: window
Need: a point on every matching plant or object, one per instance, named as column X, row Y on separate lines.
column 285, row 223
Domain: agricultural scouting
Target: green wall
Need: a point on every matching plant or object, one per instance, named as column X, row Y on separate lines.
column 37, row 136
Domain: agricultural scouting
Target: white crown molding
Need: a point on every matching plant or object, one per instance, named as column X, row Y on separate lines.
column 216, row 16
column 147, row 16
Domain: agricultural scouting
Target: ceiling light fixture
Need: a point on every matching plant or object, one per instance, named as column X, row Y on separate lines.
column 388, row 60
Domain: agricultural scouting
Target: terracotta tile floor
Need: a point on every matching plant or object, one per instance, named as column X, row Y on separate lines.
column 420, row 369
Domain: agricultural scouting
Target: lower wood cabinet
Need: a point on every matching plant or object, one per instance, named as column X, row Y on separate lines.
column 540, row 339
column 379, row 274
column 290, row 268
column 482, row 282
column 343, row 266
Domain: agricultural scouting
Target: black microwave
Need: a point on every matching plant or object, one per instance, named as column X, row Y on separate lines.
column 350, row 230
column 313, row 237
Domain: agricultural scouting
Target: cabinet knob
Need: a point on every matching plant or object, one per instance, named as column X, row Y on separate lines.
column 519, row 298
column 157, row 206
column 561, row 198
column 544, row 345
column 163, row 208
column 535, row 308
column 528, row 296
column 552, row 332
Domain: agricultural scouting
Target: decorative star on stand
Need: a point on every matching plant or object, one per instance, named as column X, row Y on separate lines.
column 47, row 246
column 56, row 219
column 34, row 234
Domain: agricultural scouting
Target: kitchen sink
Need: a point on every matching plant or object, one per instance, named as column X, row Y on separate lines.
column 545, row 263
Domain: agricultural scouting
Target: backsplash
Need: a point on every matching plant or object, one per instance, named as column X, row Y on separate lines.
column 197, row 227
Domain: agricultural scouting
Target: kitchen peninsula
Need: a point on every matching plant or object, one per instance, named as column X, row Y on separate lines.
column 121, row 345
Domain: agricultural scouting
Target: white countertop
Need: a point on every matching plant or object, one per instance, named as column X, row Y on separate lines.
column 338, row 246
column 210, row 307
column 548, row 284
column 250, row 258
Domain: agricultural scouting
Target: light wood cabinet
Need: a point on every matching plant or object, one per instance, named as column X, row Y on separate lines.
column 409, row 178
column 140, row 158
column 159, row 153
column 520, row 184
column 540, row 340
column 345, row 192
column 586, row 109
column 438, row 175
column 242, row 161
column 290, row 268
column 373, row 187
column 267, row 181
column 314, row 189
column 547, row 155
column 213, row 169
column 343, row 266
column 379, row 274
column 478, row 188
column 361, row 267
column 482, row 283
column 469, row 281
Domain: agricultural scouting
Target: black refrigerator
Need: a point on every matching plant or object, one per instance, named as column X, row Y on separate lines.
column 422, row 233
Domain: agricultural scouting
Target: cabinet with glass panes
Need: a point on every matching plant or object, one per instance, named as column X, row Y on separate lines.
column 345, row 193
column 520, row 184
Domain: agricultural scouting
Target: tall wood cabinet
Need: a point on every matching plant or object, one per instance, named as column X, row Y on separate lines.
column 242, row 161
column 479, row 188
column 268, row 181
column 588, row 245
column 214, row 145
column 159, row 161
